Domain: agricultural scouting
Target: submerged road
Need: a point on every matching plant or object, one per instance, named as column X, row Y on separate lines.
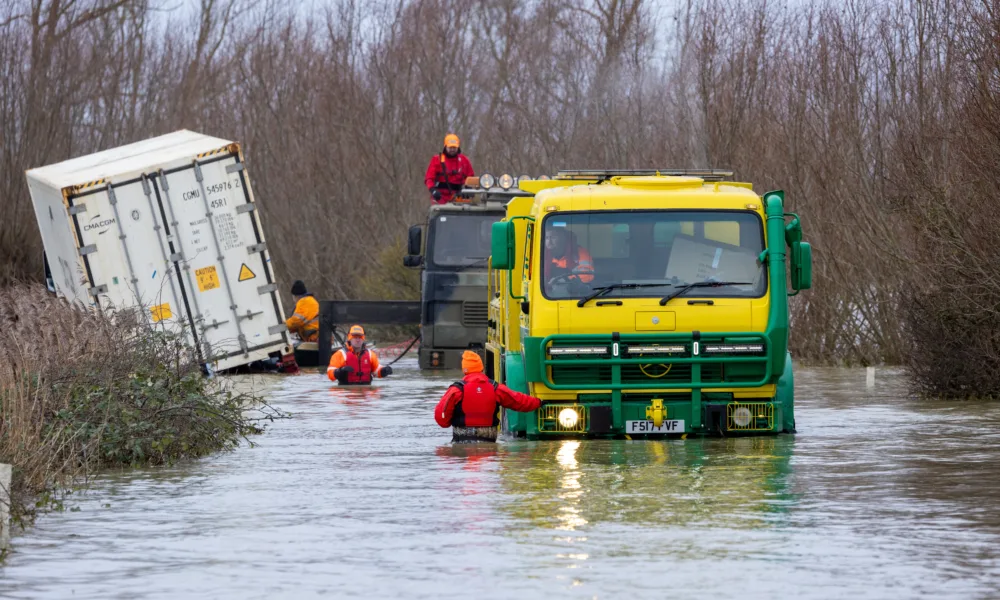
column 362, row 495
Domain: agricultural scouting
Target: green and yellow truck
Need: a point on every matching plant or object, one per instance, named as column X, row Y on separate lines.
column 645, row 304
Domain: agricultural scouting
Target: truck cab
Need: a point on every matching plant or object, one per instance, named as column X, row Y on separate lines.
column 452, row 249
column 646, row 304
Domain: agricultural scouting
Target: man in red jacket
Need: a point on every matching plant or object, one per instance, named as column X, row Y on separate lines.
column 447, row 172
column 469, row 406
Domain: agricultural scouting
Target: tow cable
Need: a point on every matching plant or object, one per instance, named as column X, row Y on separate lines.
column 403, row 353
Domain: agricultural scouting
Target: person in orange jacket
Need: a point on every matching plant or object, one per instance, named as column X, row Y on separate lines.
column 448, row 170
column 469, row 406
column 305, row 321
column 566, row 258
column 355, row 364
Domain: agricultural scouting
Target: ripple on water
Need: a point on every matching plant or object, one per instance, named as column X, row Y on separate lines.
column 361, row 495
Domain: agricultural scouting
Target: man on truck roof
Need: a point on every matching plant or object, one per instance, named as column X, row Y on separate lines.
column 355, row 364
column 448, row 170
column 305, row 321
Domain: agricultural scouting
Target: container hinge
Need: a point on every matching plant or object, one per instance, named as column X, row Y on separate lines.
column 112, row 198
column 101, row 289
column 77, row 209
column 256, row 248
column 88, row 249
column 267, row 289
column 176, row 257
column 275, row 329
column 197, row 173
column 251, row 315
column 245, row 208
column 234, row 168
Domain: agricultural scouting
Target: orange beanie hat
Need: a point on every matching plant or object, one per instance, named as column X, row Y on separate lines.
column 471, row 363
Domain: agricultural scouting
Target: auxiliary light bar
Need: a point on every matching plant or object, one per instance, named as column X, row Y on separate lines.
column 656, row 349
column 732, row 348
column 578, row 350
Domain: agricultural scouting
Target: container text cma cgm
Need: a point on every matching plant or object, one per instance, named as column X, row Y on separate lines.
column 646, row 304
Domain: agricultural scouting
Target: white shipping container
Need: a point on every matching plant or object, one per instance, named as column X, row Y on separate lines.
column 169, row 224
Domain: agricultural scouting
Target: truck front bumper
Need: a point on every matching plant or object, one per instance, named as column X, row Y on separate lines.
column 655, row 418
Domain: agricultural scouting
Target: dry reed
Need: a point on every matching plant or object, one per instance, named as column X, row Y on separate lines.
column 80, row 391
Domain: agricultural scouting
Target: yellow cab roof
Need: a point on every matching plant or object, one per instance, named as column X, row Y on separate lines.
column 641, row 192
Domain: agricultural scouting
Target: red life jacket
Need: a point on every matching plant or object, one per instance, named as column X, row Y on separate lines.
column 478, row 406
column 362, row 367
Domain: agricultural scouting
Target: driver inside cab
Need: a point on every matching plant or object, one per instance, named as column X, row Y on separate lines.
column 566, row 261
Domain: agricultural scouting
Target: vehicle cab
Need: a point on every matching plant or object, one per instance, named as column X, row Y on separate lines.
column 646, row 303
column 453, row 257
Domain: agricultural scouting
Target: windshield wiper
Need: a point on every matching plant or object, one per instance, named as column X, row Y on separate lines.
column 698, row 284
column 617, row 286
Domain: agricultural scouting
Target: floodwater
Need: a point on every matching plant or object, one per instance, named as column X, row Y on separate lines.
column 360, row 494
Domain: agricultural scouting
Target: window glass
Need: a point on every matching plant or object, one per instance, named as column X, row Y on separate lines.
column 659, row 250
column 461, row 239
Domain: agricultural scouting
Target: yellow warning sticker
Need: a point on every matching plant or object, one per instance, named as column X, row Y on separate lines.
column 161, row 312
column 208, row 278
column 246, row 273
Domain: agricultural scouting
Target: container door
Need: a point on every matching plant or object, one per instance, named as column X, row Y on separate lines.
column 125, row 254
column 227, row 271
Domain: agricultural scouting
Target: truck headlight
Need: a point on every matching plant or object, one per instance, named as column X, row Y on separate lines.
column 486, row 180
column 742, row 416
column 568, row 418
column 506, row 181
column 733, row 348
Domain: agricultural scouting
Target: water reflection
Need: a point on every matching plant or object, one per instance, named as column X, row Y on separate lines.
column 737, row 483
column 353, row 394
column 571, row 490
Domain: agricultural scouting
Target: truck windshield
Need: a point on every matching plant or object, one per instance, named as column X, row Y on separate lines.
column 461, row 239
column 650, row 253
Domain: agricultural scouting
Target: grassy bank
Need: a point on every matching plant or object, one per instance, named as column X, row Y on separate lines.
column 80, row 392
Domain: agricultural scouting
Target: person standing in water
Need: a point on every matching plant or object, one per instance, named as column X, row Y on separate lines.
column 469, row 406
column 355, row 364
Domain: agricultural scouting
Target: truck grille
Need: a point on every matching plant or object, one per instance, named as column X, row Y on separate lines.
column 572, row 374
column 475, row 314
column 653, row 374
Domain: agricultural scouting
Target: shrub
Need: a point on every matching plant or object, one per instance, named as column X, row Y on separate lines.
column 81, row 390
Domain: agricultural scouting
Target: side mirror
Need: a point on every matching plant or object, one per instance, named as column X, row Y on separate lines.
column 413, row 260
column 413, row 241
column 801, row 266
column 502, row 245
column 793, row 230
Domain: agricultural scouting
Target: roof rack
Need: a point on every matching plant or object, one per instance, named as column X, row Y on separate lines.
column 495, row 195
column 605, row 174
